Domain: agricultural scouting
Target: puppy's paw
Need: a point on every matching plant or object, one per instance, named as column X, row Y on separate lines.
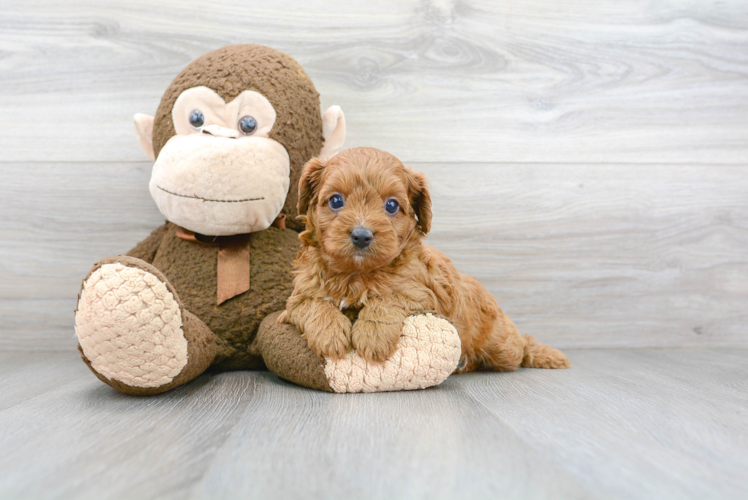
column 375, row 341
column 329, row 335
column 282, row 317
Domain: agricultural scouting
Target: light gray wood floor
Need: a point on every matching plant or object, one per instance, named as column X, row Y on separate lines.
column 621, row 423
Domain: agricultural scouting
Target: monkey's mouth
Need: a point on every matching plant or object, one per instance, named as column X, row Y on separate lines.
column 195, row 197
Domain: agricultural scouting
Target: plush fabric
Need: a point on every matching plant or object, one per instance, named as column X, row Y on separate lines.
column 127, row 308
column 219, row 113
column 287, row 354
column 428, row 352
column 146, row 249
column 231, row 70
column 193, row 269
column 239, row 197
column 193, row 333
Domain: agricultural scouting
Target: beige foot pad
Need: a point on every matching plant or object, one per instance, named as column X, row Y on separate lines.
column 129, row 326
column 429, row 352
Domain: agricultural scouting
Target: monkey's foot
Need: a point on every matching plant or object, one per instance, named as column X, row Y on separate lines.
column 428, row 352
column 134, row 333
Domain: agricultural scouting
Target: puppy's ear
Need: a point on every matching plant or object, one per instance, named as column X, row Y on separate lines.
column 420, row 199
column 309, row 182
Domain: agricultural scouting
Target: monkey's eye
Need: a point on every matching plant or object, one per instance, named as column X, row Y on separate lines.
column 197, row 119
column 391, row 206
column 248, row 125
column 336, row 202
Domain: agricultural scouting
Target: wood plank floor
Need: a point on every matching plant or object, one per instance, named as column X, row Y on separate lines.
column 619, row 424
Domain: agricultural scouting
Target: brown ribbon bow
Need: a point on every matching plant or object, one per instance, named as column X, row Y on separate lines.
column 233, row 259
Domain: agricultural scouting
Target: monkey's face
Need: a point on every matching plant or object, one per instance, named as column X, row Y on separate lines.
column 231, row 134
column 221, row 174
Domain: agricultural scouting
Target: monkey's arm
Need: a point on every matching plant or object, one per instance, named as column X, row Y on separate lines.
column 325, row 328
column 428, row 351
column 146, row 249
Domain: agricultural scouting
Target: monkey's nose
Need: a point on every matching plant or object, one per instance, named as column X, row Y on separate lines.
column 219, row 131
column 361, row 236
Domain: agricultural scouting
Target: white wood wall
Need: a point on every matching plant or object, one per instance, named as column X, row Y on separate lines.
column 589, row 158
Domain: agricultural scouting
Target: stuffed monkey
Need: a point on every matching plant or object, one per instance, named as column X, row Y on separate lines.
column 204, row 290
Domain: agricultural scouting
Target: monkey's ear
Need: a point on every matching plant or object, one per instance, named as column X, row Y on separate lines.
column 333, row 131
column 309, row 182
column 144, row 128
column 420, row 199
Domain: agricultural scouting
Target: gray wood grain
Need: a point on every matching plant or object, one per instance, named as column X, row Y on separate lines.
column 26, row 375
column 85, row 440
column 429, row 444
column 56, row 221
column 634, row 424
column 619, row 424
column 579, row 255
column 435, row 80
column 603, row 255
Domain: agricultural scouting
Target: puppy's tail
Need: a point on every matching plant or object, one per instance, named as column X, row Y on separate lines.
column 539, row 355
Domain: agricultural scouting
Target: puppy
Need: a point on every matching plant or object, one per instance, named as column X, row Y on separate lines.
column 363, row 269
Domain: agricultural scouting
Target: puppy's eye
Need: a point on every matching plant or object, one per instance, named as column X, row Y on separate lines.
column 197, row 119
column 391, row 206
column 248, row 125
column 336, row 202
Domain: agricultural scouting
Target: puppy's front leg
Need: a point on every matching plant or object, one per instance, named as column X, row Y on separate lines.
column 377, row 330
column 325, row 328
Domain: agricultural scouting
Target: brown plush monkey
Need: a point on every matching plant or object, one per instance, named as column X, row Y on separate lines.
column 229, row 140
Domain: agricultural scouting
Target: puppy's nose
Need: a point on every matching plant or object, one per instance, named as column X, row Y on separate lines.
column 361, row 236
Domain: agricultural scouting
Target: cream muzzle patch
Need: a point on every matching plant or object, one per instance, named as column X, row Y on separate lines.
column 221, row 174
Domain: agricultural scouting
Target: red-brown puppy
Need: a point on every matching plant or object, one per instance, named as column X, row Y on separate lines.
column 362, row 259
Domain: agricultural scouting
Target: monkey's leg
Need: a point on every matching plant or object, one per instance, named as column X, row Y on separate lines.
column 133, row 331
column 427, row 353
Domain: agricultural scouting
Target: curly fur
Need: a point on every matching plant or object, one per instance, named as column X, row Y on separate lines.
column 345, row 297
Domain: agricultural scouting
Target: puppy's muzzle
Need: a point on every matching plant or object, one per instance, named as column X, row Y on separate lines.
column 361, row 236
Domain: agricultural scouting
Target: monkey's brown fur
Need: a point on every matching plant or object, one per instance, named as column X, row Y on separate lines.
column 394, row 276
column 190, row 267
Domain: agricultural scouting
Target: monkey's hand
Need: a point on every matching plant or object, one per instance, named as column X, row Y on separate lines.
column 376, row 332
column 325, row 328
